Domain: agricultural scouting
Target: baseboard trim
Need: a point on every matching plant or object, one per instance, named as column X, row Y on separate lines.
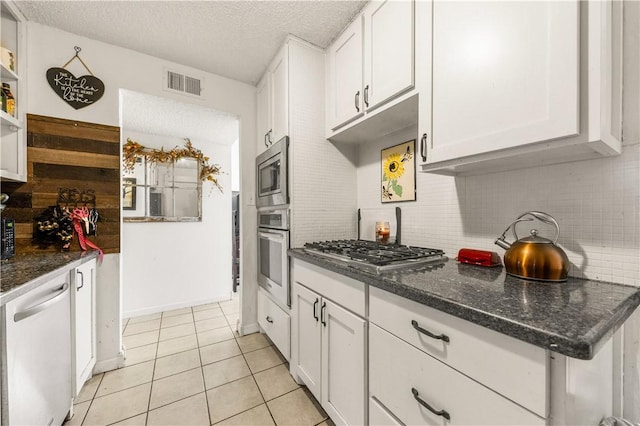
column 171, row 306
column 249, row 329
column 109, row 364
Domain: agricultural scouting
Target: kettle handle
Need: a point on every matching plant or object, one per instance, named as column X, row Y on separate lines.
column 542, row 217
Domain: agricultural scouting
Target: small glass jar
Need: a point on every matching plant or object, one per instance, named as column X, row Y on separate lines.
column 382, row 232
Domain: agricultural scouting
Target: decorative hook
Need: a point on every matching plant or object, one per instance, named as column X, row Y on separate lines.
column 78, row 50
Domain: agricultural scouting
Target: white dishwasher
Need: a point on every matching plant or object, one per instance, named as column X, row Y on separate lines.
column 36, row 355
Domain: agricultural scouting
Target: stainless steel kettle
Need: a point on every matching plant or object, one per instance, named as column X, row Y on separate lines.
column 534, row 257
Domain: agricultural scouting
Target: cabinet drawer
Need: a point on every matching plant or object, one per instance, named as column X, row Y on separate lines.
column 275, row 322
column 345, row 291
column 513, row 368
column 379, row 416
column 398, row 371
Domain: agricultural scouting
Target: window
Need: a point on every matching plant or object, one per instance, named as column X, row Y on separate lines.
column 162, row 192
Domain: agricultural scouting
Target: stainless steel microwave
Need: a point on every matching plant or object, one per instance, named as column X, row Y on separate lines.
column 271, row 175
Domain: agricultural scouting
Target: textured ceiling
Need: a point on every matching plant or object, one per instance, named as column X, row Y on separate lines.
column 234, row 39
column 160, row 116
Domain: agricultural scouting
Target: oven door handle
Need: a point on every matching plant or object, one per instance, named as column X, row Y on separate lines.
column 277, row 236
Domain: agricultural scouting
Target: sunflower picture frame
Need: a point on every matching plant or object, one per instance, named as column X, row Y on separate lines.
column 398, row 173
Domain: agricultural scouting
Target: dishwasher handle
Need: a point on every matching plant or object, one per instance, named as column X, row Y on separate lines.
column 19, row 316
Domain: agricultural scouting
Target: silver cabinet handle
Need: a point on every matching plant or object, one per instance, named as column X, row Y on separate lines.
column 269, row 133
column 81, row 280
column 269, row 320
column 19, row 316
column 357, row 100
column 366, row 95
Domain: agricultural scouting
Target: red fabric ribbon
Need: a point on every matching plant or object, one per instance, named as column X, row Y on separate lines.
column 78, row 215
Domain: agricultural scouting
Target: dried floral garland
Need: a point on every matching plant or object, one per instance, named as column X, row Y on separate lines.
column 132, row 150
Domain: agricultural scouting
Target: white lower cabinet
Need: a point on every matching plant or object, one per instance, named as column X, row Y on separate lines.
column 275, row 323
column 419, row 389
column 343, row 364
column 83, row 323
column 329, row 347
column 306, row 359
column 373, row 357
column 513, row 368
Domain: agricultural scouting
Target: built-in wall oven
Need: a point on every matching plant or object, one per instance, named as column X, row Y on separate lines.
column 273, row 260
column 271, row 175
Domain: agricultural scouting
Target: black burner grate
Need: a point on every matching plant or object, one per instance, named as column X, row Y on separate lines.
column 373, row 253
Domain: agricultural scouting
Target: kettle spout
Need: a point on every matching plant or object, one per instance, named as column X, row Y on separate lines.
column 501, row 242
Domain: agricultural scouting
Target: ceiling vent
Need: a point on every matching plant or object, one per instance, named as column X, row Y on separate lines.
column 180, row 83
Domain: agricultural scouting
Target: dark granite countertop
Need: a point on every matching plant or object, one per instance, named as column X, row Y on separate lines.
column 23, row 273
column 574, row 318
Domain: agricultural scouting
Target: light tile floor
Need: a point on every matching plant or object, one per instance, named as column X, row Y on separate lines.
column 189, row 367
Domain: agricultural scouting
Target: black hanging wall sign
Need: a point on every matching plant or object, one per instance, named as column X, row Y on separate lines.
column 78, row 92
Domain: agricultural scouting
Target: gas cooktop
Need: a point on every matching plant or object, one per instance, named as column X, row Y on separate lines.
column 370, row 255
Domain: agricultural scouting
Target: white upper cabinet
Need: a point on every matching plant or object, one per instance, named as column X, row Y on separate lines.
column 280, row 95
column 510, row 86
column 264, row 111
column 504, row 74
column 273, row 101
column 345, row 76
column 13, row 162
column 370, row 64
column 388, row 50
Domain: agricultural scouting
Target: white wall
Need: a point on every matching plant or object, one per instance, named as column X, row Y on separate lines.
column 595, row 202
column 169, row 265
column 121, row 68
column 235, row 166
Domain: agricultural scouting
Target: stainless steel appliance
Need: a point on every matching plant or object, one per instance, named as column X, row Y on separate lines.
column 235, row 254
column 271, row 175
column 37, row 360
column 376, row 257
column 273, row 260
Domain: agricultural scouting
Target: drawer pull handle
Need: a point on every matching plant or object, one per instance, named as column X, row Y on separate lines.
column 324, row 305
column 315, row 306
column 269, row 320
column 422, row 402
column 442, row 337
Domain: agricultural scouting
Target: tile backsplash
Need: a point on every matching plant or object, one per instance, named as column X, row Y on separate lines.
column 595, row 202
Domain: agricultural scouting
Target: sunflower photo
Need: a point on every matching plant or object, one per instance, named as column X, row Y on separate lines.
column 399, row 173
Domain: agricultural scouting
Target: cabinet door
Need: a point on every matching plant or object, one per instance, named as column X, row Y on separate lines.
column 389, row 50
column 280, row 102
column 83, row 308
column 343, row 364
column 505, row 74
column 13, row 161
column 306, row 337
column 345, row 76
column 264, row 111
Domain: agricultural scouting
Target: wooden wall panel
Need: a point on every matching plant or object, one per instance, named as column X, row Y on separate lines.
column 67, row 154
